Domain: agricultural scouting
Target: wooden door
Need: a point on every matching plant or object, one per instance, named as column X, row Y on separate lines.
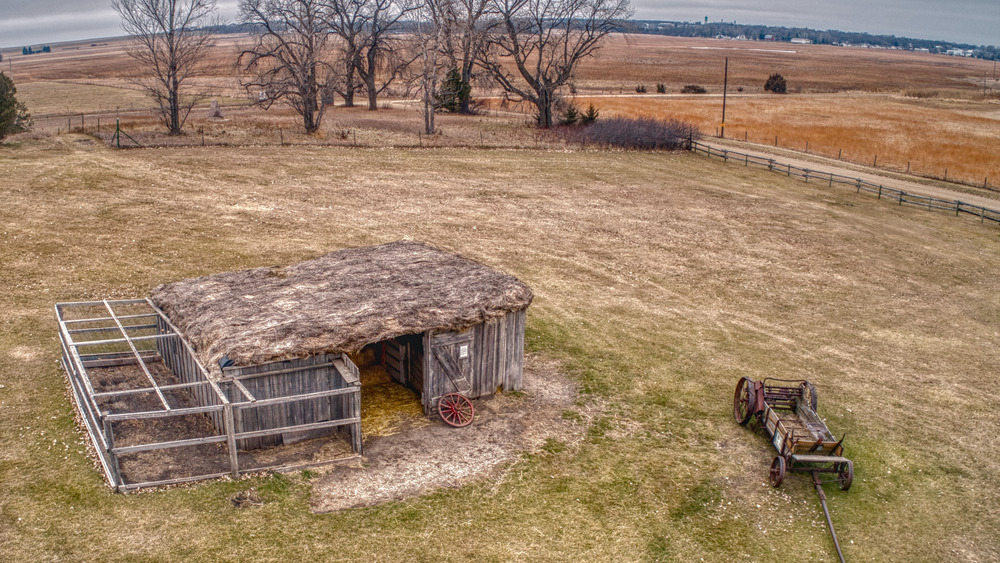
column 450, row 361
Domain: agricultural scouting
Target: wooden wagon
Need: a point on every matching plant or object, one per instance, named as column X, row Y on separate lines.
column 786, row 410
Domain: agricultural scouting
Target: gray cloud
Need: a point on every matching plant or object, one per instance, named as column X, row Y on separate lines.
column 34, row 22
column 24, row 22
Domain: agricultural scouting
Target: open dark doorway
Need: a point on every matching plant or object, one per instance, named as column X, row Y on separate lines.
column 392, row 379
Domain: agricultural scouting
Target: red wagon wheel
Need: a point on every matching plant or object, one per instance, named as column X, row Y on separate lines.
column 743, row 401
column 456, row 410
column 845, row 474
column 778, row 471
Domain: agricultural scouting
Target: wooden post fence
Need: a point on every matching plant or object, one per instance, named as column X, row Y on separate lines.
column 900, row 196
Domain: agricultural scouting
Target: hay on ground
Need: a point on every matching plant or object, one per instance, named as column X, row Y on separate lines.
column 390, row 408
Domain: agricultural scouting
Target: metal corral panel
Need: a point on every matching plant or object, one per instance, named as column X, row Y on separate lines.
column 145, row 398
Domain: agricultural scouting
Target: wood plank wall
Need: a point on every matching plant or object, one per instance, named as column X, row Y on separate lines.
column 308, row 375
column 496, row 353
column 395, row 360
column 176, row 357
column 415, row 361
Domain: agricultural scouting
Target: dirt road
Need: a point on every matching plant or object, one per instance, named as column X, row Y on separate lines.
column 918, row 186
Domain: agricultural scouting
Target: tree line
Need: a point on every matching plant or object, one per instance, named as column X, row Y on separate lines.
column 307, row 53
column 820, row 37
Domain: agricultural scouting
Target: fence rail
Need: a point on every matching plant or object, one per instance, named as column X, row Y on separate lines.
column 158, row 397
column 901, row 197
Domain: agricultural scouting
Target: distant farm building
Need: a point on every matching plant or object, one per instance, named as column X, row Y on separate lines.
column 209, row 371
column 801, row 41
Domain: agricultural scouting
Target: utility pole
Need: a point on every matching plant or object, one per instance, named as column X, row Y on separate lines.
column 725, row 87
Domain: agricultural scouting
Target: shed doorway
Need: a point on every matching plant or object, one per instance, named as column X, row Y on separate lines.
column 391, row 374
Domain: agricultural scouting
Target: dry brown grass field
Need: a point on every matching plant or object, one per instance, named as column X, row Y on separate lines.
column 660, row 279
column 901, row 110
column 626, row 61
column 947, row 138
column 926, row 113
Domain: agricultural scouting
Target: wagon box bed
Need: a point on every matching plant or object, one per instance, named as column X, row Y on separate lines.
column 786, row 411
column 802, row 439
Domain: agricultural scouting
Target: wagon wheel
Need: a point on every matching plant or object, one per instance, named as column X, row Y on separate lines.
column 456, row 410
column 845, row 474
column 743, row 401
column 777, row 471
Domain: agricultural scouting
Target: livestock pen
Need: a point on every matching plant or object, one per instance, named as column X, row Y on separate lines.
column 251, row 370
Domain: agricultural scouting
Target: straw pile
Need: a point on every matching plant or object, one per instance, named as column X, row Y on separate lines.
column 336, row 303
column 389, row 408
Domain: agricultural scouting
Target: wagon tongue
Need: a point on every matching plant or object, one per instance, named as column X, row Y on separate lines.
column 826, row 512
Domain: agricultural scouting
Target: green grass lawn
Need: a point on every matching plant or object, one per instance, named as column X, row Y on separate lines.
column 660, row 279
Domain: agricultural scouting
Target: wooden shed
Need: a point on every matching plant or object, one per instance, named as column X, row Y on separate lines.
column 440, row 323
column 194, row 381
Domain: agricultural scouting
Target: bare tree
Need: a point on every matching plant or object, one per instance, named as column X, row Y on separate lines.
column 465, row 26
column 384, row 57
column 290, row 58
column 347, row 18
column 544, row 40
column 429, row 41
column 169, row 39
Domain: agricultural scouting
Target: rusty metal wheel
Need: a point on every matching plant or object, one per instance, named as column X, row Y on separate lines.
column 845, row 474
column 778, row 467
column 456, row 410
column 744, row 401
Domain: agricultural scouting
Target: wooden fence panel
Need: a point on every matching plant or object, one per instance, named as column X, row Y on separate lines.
column 882, row 192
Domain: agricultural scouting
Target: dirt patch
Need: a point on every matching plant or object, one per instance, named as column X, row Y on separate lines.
column 208, row 459
column 131, row 376
column 419, row 460
column 244, row 499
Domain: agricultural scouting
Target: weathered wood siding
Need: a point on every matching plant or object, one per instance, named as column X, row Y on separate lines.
column 177, row 357
column 285, row 379
column 395, row 360
column 415, row 354
column 494, row 359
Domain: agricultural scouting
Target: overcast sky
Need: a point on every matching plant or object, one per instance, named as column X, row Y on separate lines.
column 34, row 22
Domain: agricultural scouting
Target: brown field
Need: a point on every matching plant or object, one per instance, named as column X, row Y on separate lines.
column 904, row 111
column 957, row 139
column 627, row 61
column 926, row 113
column 660, row 279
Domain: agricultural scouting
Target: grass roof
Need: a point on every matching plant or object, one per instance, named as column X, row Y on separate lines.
column 338, row 302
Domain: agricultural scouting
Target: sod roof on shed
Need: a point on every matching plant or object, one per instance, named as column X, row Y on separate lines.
column 336, row 303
